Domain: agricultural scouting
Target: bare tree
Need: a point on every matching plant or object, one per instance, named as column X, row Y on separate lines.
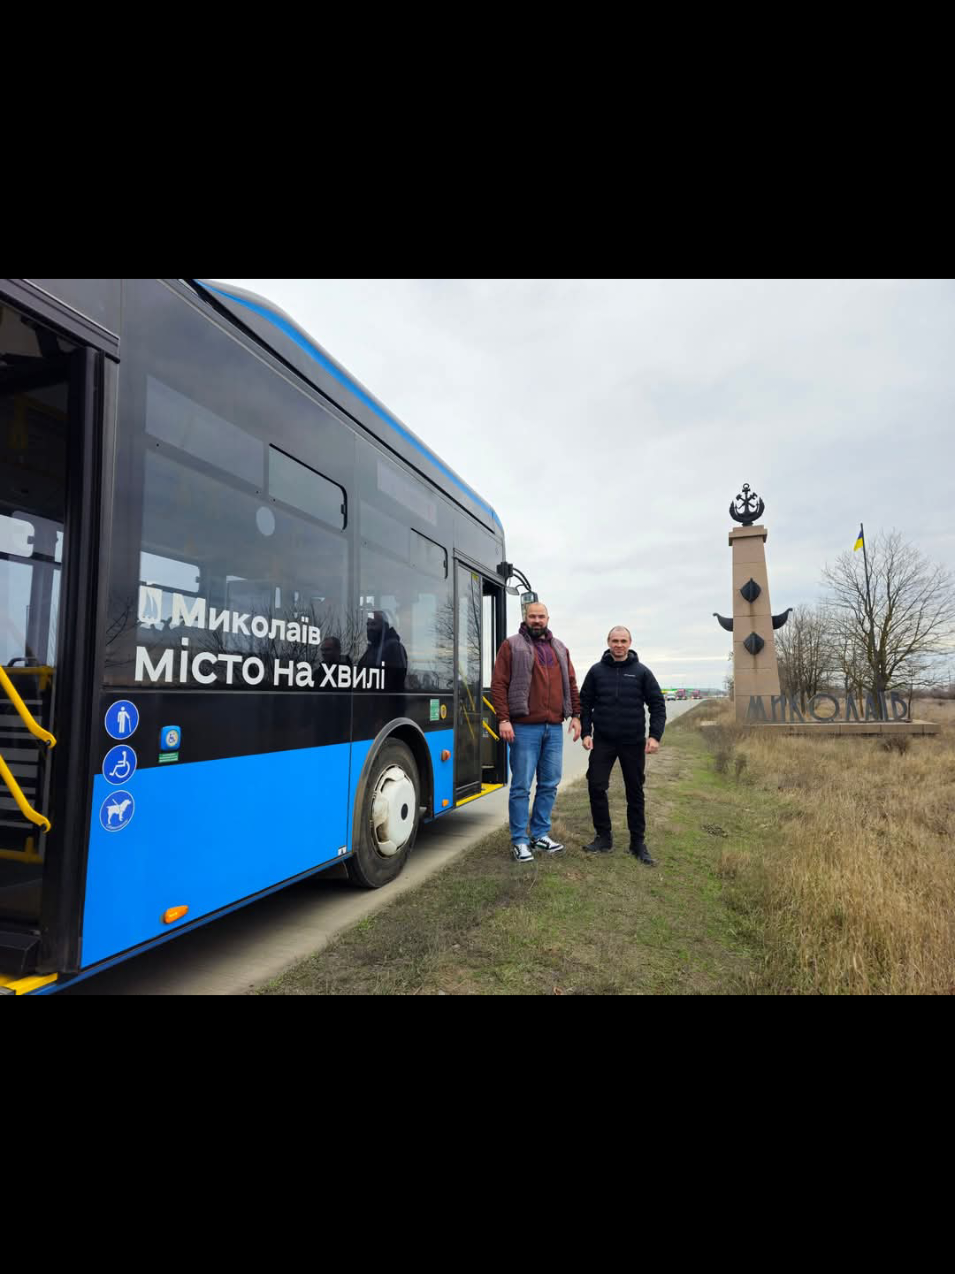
column 805, row 652
column 850, row 657
column 892, row 632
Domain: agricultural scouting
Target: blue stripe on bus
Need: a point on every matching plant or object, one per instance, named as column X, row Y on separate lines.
column 206, row 833
column 187, row 926
column 340, row 376
column 439, row 741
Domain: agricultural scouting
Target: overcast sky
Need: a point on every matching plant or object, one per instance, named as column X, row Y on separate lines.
column 610, row 423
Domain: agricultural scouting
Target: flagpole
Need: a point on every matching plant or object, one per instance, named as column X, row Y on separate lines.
column 868, row 597
column 865, row 558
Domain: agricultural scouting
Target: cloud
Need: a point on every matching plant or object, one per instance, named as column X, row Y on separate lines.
column 610, row 423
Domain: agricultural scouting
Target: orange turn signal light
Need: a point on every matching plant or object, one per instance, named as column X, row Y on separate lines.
column 445, row 802
column 173, row 913
column 445, row 755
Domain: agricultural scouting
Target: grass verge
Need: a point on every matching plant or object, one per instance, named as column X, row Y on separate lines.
column 574, row 923
column 788, row 865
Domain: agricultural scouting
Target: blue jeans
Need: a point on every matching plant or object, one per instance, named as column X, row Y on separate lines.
column 537, row 749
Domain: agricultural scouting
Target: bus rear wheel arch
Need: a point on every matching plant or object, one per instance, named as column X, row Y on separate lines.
column 389, row 818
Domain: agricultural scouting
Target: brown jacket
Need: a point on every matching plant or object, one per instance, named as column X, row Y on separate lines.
column 545, row 699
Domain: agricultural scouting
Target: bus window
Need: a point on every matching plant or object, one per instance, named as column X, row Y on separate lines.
column 240, row 556
column 187, row 507
column 183, row 424
column 303, row 488
column 16, row 540
column 407, row 620
column 428, row 557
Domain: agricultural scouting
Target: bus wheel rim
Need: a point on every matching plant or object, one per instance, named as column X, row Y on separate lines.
column 392, row 811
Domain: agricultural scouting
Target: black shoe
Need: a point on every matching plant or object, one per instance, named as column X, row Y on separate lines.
column 639, row 850
column 600, row 845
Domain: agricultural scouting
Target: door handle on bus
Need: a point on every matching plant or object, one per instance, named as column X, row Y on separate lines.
column 26, row 809
column 25, row 714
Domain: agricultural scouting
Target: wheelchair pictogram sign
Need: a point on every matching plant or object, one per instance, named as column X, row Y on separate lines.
column 119, row 765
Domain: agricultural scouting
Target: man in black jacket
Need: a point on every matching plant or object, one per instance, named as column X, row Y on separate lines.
column 612, row 701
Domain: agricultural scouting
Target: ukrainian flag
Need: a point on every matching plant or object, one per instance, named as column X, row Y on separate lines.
column 858, row 544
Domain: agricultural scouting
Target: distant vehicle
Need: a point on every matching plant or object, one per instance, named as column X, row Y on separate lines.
column 670, row 695
column 697, row 694
column 681, row 694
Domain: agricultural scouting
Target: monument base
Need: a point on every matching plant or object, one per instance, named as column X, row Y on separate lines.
column 820, row 728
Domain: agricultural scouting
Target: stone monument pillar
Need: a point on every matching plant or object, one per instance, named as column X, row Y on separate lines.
column 752, row 623
column 755, row 671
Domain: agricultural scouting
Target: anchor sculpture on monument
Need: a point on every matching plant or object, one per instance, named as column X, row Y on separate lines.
column 746, row 508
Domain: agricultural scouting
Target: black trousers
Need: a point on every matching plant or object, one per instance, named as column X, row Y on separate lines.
column 631, row 757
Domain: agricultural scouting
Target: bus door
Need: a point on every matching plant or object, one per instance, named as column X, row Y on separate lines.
column 43, row 379
column 493, row 749
column 479, row 755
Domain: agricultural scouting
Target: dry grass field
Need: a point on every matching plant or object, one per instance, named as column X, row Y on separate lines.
column 852, row 888
column 940, row 710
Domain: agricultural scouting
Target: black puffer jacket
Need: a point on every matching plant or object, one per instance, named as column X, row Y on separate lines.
column 612, row 700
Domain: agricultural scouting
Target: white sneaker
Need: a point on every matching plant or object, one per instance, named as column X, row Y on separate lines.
column 522, row 853
column 547, row 845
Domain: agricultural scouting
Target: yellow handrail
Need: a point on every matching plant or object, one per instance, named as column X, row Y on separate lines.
column 490, row 732
column 489, row 704
column 26, row 809
column 43, row 672
column 25, row 715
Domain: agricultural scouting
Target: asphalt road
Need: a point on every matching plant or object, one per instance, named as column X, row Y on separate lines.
column 246, row 948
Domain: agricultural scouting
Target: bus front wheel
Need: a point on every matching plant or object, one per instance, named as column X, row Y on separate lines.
column 389, row 817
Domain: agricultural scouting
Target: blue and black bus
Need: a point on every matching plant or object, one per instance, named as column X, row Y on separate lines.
column 247, row 620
